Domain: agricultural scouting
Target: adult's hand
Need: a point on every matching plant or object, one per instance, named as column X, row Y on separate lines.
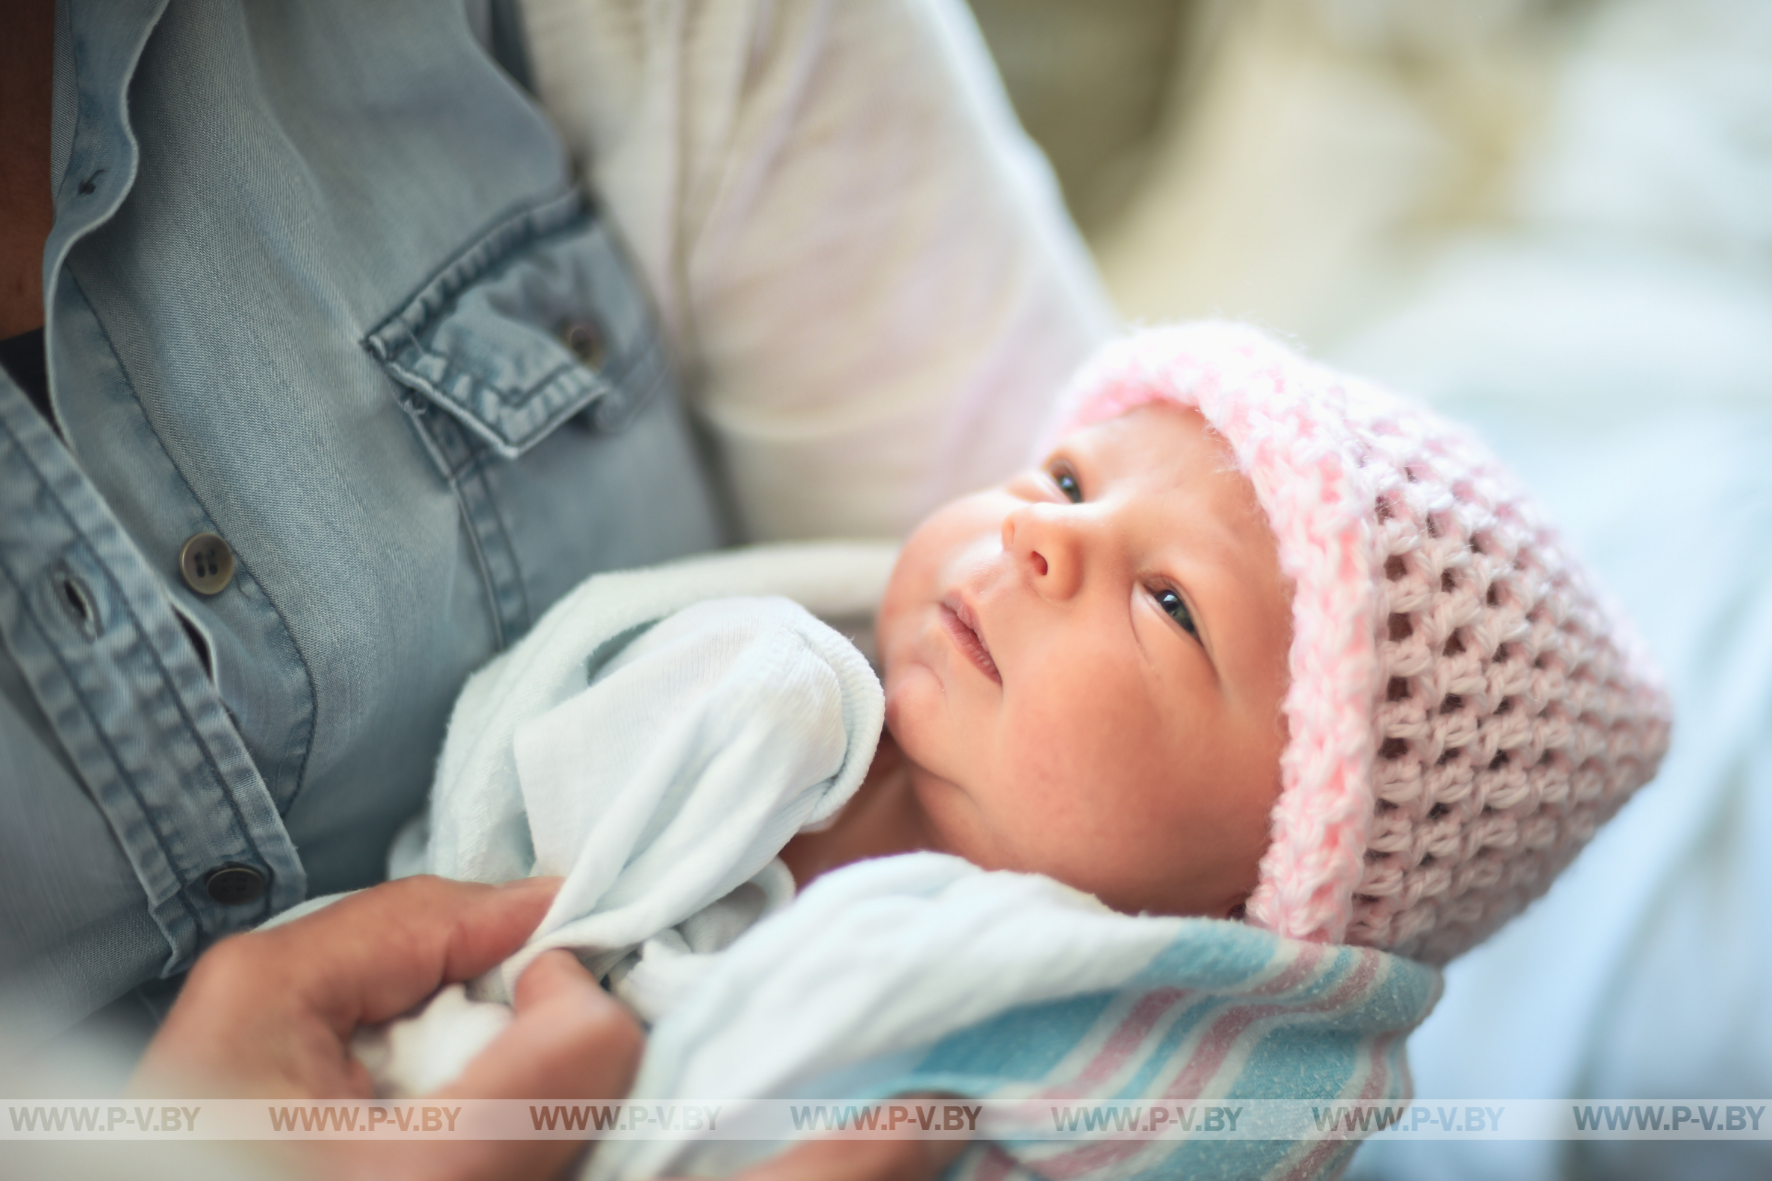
column 271, row 1014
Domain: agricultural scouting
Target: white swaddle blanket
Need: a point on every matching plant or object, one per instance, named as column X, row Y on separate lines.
column 656, row 750
column 700, row 747
column 708, row 733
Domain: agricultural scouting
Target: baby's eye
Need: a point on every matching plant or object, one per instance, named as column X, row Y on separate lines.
column 1067, row 483
column 1176, row 607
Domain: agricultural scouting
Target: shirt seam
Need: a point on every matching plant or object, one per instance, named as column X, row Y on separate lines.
column 283, row 621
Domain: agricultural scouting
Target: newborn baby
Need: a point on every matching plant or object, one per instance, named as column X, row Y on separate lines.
column 1250, row 641
column 1392, row 724
column 1084, row 671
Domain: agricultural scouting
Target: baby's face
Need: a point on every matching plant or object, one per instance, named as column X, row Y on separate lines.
column 1085, row 667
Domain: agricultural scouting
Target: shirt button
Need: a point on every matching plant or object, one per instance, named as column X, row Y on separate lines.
column 585, row 339
column 234, row 885
column 207, row 564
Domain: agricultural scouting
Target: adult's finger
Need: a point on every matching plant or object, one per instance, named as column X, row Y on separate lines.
column 270, row 1012
column 570, row 1040
column 374, row 955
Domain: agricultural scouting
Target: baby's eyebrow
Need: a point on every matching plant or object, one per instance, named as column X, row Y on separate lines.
column 1223, row 543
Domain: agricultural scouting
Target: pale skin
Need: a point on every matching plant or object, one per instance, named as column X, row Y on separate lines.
column 272, row 1013
column 1084, row 673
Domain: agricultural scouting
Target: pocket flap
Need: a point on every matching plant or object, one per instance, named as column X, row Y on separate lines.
column 539, row 320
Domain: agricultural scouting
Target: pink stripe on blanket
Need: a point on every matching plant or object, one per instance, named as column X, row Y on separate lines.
column 1216, row 1045
column 1128, row 1037
column 1303, row 967
column 995, row 1166
column 1121, row 1044
column 1208, row 1056
column 1377, row 1078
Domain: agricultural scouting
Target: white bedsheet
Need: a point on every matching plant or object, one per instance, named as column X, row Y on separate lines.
column 1616, row 345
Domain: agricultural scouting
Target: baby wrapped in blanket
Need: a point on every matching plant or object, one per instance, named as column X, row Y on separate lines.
column 1200, row 744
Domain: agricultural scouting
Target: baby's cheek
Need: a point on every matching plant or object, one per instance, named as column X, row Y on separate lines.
column 1058, row 778
column 1084, row 736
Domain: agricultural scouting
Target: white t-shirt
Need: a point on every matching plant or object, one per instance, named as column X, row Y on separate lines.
column 865, row 265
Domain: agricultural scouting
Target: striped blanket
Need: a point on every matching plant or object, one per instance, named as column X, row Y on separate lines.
column 921, row 974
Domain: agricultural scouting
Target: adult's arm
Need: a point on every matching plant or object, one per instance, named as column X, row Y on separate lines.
column 865, row 265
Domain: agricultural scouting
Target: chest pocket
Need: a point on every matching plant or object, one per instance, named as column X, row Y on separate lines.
column 538, row 322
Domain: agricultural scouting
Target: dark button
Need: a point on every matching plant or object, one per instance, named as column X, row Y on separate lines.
column 207, row 564
column 235, row 885
column 585, row 339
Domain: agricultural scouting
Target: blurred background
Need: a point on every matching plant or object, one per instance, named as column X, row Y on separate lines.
column 1552, row 218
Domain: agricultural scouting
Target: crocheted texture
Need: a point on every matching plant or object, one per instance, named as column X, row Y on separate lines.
column 1464, row 710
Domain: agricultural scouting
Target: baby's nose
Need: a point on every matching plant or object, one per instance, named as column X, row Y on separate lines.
column 1032, row 557
column 1047, row 547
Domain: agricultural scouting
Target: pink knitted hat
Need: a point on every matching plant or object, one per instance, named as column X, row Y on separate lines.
column 1464, row 711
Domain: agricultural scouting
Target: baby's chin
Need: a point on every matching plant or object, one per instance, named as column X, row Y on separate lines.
column 914, row 703
column 951, row 822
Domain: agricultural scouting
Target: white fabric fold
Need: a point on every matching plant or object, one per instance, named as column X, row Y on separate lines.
column 697, row 752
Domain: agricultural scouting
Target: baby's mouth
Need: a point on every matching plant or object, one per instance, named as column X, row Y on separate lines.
column 962, row 625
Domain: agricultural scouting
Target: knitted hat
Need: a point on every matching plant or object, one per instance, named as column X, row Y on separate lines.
column 1464, row 711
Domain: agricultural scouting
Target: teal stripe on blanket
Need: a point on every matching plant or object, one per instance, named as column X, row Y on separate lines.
column 1226, row 1011
column 1215, row 955
column 1023, row 1043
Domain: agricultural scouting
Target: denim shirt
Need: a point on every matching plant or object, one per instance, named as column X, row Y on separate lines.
column 320, row 285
